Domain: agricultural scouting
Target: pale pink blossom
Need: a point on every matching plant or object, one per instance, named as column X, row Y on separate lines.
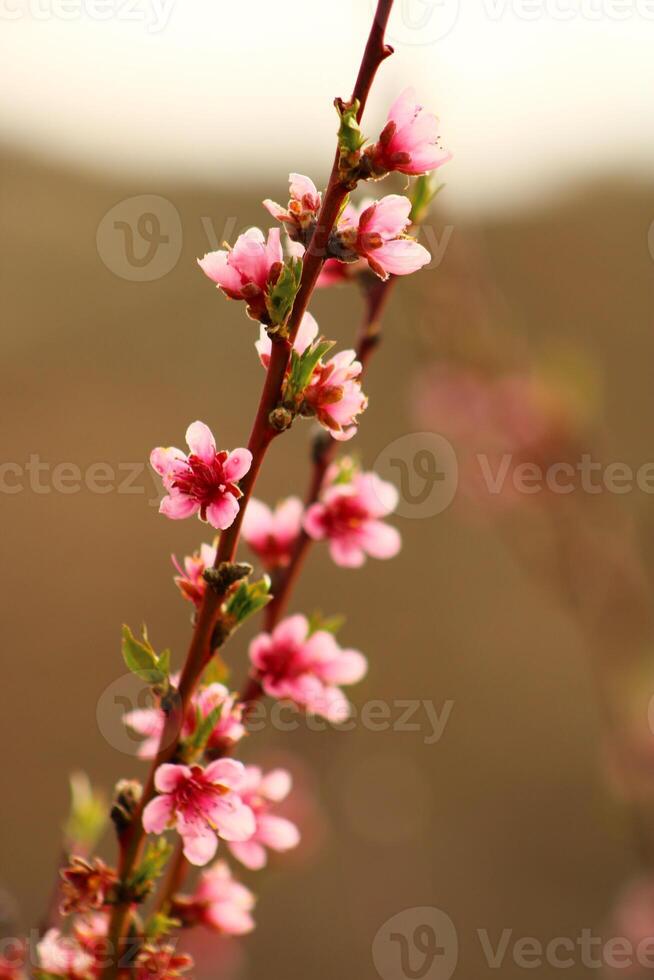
column 223, row 903
column 300, row 216
column 306, row 668
column 260, row 792
column 63, row 956
column 190, row 580
column 272, row 534
column 229, row 729
column 307, row 333
column 381, row 238
column 203, row 482
column 334, row 395
column 247, row 271
column 410, row 141
column 348, row 517
column 202, row 804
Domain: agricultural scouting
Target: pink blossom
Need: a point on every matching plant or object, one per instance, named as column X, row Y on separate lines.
column 303, row 208
column 228, row 730
column 260, row 793
column 222, row 903
column 63, row 956
column 272, row 534
column 307, row 333
column 335, row 273
column 190, row 580
column 348, row 516
column 306, row 668
column 381, row 238
column 248, row 270
column 410, row 141
column 200, row 803
column 203, row 482
column 334, row 395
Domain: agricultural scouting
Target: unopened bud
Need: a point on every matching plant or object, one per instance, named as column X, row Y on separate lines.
column 127, row 797
column 280, row 418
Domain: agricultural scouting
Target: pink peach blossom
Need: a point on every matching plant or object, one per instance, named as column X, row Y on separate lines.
column 260, row 792
column 303, row 208
column 223, row 903
column 63, row 956
column 272, row 534
column 229, row 728
column 200, row 804
column 410, row 141
column 248, row 270
column 307, row 333
column 190, row 581
column 204, row 481
column 348, row 516
column 381, row 238
column 334, row 395
column 306, row 668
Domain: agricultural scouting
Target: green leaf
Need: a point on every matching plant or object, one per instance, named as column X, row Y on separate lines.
column 422, row 194
column 328, row 624
column 205, row 726
column 350, row 137
column 160, row 925
column 302, row 368
column 248, row 599
column 151, row 867
column 281, row 297
column 143, row 661
column 88, row 813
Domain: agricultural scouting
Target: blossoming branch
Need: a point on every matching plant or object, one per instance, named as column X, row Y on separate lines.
column 198, row 803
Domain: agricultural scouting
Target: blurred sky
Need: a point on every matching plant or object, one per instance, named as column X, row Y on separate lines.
column 531, row 93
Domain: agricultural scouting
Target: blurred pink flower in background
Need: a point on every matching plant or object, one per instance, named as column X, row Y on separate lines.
column 223, row 903
column 260, row 792
column 272, row 534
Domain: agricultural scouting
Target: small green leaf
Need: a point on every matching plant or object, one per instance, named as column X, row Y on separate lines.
column 88, row 814
column 328, row 624
column 160, row 925
column 350, row 137
column 248, row 599
column 422, row 194
column 151, row 867
column 143, row 661
column 281, row 297
column 204, row 728
column 302, row 368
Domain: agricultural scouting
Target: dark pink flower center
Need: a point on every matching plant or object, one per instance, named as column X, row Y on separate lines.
column 283, row 662
column 344, row 515
column 206, row 482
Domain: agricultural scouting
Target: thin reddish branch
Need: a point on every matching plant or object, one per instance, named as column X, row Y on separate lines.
column 261, row 436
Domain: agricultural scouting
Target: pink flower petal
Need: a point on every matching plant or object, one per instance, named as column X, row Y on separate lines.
column 168, row 462
column 389, row 216
column 235, row 820
column 221, row 514
column 314, row 522
column 229, row 919
column 201, row 441
column 346, row 553
column 276, row 785
column 168, row 777
column 288, row 518
column 292, row 631
column 404, row 108
column 380, row 540
column 401, row 257
column 178, row 506
column 306, row 334
column 157, row 814
column 229, row 772
column 301, row 186
column 348, row 668
column 257, row 522
column 277, row 832
column 249, row 853
column 200, row 848
column 237, row 464
column 216, row 266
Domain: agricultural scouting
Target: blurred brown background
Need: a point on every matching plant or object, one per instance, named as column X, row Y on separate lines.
column 506, row 822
